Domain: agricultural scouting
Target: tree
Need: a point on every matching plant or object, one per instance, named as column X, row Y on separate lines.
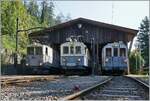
column 32, row 9
column 10, row 11
column 135, row 60
column 47, row 14
column 8, row 16
column 30, row 15
column 68, row 17
column 143, row 39
column 61, row 18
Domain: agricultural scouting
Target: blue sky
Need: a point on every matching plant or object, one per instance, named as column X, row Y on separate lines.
column 125, row 13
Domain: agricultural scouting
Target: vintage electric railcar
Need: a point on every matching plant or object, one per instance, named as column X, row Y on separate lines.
column 115, row 58
column 40, row 58
column 74, row 57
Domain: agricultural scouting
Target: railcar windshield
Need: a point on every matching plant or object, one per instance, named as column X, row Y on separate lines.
column 78, row 50
column 122, row 52
column 65, row 50
column 38, row 50
column 71, row 50
column 30, row 50
column 108, row 52
column 115, row 51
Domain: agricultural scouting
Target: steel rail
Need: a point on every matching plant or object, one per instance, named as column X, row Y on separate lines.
column 139, row 81
column 85, row 91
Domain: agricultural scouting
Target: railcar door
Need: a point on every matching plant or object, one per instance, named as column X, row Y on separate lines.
column 108, row 59
column 115, row 59
column 123, row 58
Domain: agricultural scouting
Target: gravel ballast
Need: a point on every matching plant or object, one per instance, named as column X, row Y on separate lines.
column 49, row 90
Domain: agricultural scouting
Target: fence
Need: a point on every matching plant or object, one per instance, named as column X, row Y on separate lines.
column 7, row 63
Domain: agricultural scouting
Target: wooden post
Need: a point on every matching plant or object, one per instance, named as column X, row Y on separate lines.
column 129, row 51
column 98, row 68
column 130, row 46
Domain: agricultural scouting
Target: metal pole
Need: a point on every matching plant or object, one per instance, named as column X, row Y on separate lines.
column 93, row 56
column 16, row 50
column 149, row 50
column 136, row 62
column 140, row 58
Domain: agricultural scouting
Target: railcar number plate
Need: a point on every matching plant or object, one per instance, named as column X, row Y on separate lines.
column 71, row 64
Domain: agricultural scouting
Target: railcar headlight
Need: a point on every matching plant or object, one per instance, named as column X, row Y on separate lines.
column 64, row 59
column 79, row 59
column 27, row 64
column 125, row 60
column 40, row 64
column 106, row 60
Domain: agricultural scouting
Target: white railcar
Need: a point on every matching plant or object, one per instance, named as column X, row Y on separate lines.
column 74, row 54
column 39, row 55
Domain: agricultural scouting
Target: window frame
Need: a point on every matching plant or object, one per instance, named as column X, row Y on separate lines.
column 110, row 52
column 114, row 52
column 123, row 51
column 72, row 47
column 64, row 49
column 46, row 51
column 80, row 52
column 35, row 50
column 29, row 51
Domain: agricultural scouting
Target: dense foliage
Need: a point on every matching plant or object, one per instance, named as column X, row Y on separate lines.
column 31, row 14
column 136, row 61
column 143, row 39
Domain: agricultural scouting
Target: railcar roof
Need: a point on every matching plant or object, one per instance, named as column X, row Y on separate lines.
column 66, row 43
column 34, row 45
column 110, row 44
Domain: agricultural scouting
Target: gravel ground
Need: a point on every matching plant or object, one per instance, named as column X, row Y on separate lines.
column 49, row 90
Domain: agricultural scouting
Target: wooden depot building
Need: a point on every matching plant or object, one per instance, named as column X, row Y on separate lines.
column 101, row 33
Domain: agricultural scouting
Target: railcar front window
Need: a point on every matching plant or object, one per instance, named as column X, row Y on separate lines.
column 38, row 50
column 122, row 52
column 115, row 51
column 108, row 52
column 65, row 50
column 30, row 50
column 78, row 50
column 71, row 50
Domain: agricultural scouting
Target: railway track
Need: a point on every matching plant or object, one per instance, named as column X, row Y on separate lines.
column 116, row 88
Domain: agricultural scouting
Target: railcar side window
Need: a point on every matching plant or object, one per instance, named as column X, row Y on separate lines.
column 38, row 50
column 71, row 50
column 108, row 52
column 30, row 50
column 78, row 50
column 122, row 52
column 46, row 51
column 65, row 50
column 115, row 51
